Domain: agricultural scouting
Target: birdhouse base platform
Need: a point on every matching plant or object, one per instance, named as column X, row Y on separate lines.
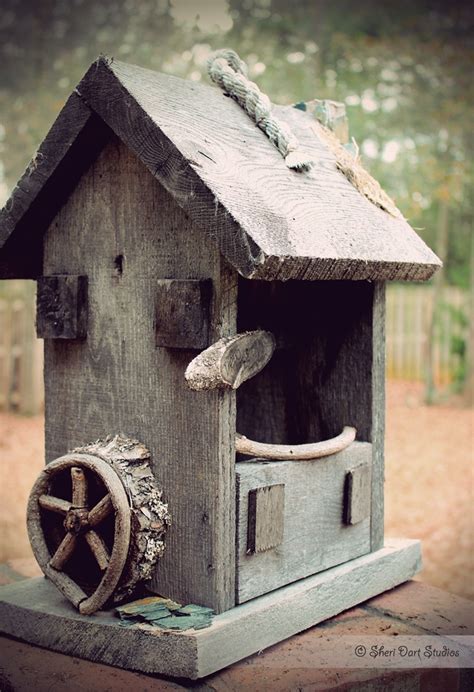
column 34, row 611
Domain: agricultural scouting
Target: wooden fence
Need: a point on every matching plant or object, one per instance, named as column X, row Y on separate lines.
column 21, row 357
column 408, row 316
column 409, row 311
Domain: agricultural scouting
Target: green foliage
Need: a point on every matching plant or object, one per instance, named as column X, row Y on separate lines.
column 458, row 344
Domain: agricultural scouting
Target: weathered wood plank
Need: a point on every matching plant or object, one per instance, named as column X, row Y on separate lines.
column 182, row 313
column 230, row 361
column 34, row 611
column 61, row 307
column 119, row 381
column 270, row 222
column 320, row 377
column 178, row 171
column 357, row 494
column 265, row 521
column 70, row 146
column 328, row 370
column 279, row 209
column 315, row 535
column 378, row 417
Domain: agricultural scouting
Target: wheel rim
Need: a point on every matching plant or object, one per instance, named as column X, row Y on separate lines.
column 80, row 524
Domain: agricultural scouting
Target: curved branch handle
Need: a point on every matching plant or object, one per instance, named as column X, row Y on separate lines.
column 295, row 452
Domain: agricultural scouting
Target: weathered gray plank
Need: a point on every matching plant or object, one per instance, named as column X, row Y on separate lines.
column 61, row 307
column 178, row 172
column 270, row 222
column 280, row 614
column 34, row 611
column 378, row 417
column 266, row 518
column 320, row 377
column 119, row 381
column 182, row 313
column 327, row 372
column 299, row 222
column 70, row 146
column 315, row 536
column 358, row 494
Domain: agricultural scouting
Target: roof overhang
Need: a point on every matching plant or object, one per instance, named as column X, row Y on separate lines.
column 269, row 221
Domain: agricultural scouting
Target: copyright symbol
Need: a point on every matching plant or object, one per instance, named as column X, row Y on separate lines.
column 360, row 651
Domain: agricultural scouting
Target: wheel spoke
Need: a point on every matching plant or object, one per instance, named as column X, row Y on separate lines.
column 98, row 549
column 79, row 487
column 64, row 551
column 54, row 504
column 101, row 510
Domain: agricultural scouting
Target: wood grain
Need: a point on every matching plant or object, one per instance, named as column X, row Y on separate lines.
column 315, row 536
column 182, row 313
column 377, row 435
column 118, row 380
column 269, row 222
column 328, row 370
column 266, row 519
column 69, row 148
column 357, row 494
column 319, row 380
column 32, row 610
column 61, row 307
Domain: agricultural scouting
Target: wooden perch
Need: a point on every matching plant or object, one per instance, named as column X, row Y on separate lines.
column 79, row 487
column 296, row 452
column 230, row 361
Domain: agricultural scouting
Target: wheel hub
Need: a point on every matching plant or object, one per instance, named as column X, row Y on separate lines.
column 77, row 520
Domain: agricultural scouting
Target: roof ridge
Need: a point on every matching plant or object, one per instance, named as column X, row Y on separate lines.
column 221, row 169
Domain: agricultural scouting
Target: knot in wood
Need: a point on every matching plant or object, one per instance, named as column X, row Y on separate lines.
column 77, row 520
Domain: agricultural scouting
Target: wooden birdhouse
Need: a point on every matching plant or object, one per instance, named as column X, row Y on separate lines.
column 213, row 326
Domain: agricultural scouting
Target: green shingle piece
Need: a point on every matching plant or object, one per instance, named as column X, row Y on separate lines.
column 164, row 613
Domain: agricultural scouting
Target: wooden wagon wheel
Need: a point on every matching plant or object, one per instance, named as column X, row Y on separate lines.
column 96, row 521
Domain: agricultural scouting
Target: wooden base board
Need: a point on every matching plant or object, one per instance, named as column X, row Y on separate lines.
column 34, row 611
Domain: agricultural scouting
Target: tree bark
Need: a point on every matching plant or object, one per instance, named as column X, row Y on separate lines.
column 438, row 285
column 469, row 380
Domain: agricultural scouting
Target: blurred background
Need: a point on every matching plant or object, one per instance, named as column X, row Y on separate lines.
column 404, row 71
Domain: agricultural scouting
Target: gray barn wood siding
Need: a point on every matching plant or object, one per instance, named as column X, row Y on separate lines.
column 117, row 380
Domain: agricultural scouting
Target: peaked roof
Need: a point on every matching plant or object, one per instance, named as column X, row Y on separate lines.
column 270, row 222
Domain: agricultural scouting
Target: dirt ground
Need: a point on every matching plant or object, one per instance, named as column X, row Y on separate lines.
column 429, row 483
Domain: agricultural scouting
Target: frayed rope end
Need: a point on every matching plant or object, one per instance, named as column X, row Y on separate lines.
column 299, row 161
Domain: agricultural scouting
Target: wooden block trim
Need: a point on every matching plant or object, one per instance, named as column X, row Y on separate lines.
column 182, row 313
column 357, row 491
column 62, row 307
column 266, row 516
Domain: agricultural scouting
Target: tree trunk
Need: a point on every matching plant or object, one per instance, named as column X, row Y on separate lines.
column 469, row 380
column 438, row 284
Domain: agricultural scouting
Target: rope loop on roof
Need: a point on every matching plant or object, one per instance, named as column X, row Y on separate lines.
column 228, row 71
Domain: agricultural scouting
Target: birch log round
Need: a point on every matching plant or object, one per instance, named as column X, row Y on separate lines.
column 230, row 361
column 96, row 522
